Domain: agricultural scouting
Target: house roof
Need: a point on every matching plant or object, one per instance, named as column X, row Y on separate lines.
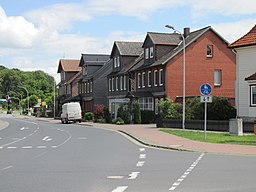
column 164, row 38
column 127, row 48
column 68, row 65
column 248, row 39
column 252, row 77
column 93, row 59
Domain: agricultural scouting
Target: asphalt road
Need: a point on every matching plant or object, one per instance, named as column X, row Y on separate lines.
column 41, row 156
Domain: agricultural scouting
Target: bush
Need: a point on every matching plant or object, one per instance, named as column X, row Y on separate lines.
column 107, row 115
column 169, row 109
column 137, row 113
column 88, row 116
column 100, row 121
column 147, row 117
column 119, row 121
column 98, row 111
column 124, row 113
column 219, row 109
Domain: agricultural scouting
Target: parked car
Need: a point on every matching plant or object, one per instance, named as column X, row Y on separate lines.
column 71, row 112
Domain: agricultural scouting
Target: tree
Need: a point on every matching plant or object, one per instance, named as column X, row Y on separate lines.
column 137, row 113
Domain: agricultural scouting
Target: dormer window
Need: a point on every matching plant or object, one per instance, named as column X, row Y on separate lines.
column 146, row 53
column 84, row 70
column 115, row 62
column 118, row 61
column 151, row 52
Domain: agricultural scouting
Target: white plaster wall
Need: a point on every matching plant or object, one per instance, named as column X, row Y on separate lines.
column 246, row 66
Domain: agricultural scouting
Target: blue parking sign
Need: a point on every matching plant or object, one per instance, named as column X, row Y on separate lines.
column 206, row 89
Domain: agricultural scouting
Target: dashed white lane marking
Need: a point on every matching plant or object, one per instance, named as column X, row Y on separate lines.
column 6, row 168
column 142, row 149
column 11, row 147
column 115, row 177
column 142, row 156
column 186, row 173
column 133, row 175
column 27, row 147
column 41, row 147
column 81, row 138
column 140, row 163
column 120, row 189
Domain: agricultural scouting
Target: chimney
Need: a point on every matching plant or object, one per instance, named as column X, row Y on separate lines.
column 186, row 32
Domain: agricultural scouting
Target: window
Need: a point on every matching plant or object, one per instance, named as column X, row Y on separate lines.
column 209, row 51
column 112, row 84
column 115, row 62
column 109, row 84
column 91, row 87
column 253, row 95
column 121, row 83
column 151, row 55
column 124, row 82
column 84, row 70
column 146, row 103
column 146, row 53
column 118, row 61
column 116, row 83
column 62, row 76
column 217, row 77
column 138, row 80
column 88, row 87
column 155, row 78
column 161, row 77
column 149, row 78
column 143, row 79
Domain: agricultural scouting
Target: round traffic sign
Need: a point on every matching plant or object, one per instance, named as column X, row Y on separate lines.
column 206, row 89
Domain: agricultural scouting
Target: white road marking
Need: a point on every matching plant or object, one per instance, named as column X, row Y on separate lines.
column 120, row 189
column 45, row 138
column 142, row 149
column 186, row 173
column 24, row 128
column 133, row 175
column 7, row 168
column 81, row 138
column 140, row 163
column 54, row 146
column 27, row 147
column 11, row 147
column 13, row 142
column 31, row 134
column 41, row 147
column 142, row 156
column 115, row 177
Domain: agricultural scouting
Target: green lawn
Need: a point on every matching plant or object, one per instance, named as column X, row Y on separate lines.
column 213, row 137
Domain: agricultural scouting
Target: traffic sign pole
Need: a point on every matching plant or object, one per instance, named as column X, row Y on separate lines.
column 205, row 119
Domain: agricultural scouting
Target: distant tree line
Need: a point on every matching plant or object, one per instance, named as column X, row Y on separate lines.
column 38, row 83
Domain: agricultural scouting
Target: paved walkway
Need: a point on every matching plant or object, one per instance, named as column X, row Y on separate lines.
column 150, row 135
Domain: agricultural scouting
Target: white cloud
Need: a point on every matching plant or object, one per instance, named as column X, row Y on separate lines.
column 234, row 30
column 16, row 32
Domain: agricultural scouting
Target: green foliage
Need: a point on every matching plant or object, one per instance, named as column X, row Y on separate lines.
column 88, row 116
column 147, row 117
column 137, row 113
column 119, row 121
column 107, row 115
column 124, row 113
column 219, row 109
column 13, row 82
column 169, row 109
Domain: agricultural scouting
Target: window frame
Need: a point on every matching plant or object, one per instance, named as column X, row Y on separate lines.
column 138, row 80
column 209, row 51
column 125, row 77
column 121, row 83
column 112, row 84
column 161, row 77
column 155, row 78
column 149, row 78
column 151, row 52
column 109, row 85
column 117, row 83
column 143, row 77
column 252, row 104
column 217, row 82
column 146, row 53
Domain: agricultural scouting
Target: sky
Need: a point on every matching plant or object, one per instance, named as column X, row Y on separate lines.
column 36, row 34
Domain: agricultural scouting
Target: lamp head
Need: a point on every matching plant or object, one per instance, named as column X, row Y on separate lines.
column 170, row 27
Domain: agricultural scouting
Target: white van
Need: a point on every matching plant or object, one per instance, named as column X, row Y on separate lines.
column 71, row 112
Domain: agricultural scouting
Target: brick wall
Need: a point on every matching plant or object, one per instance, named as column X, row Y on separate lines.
column 200, row 69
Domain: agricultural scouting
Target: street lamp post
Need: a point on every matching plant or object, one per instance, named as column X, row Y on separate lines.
column 27, row 95
column 183, row 75
column 54, row 84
